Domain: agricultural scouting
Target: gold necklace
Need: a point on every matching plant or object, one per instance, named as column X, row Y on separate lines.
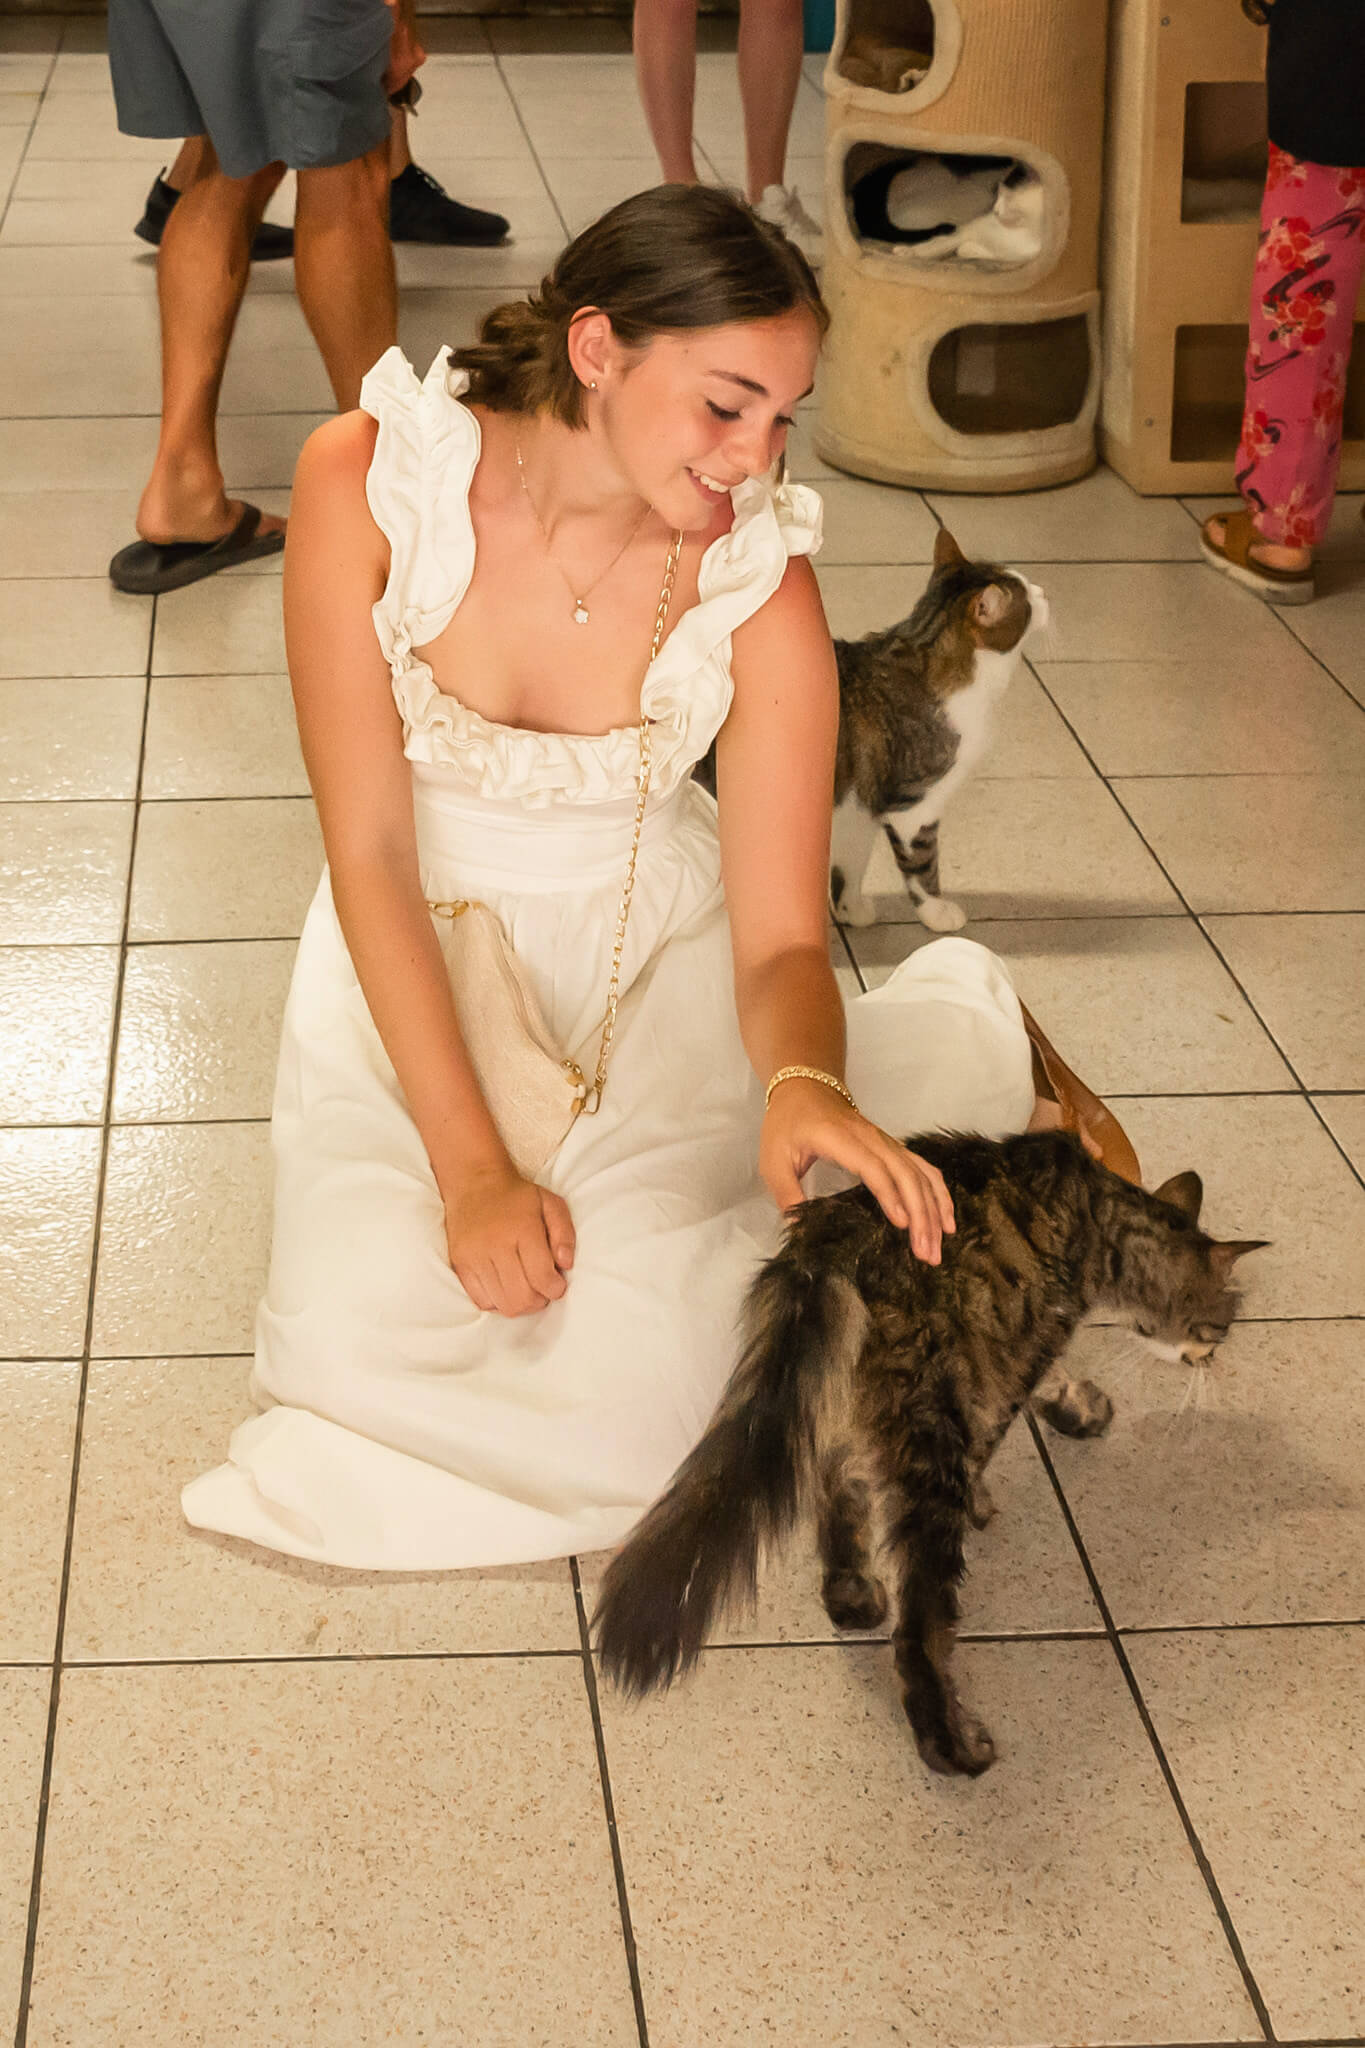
column 581, row 614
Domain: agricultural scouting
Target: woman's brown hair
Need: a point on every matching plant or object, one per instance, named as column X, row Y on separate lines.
column 667, row 261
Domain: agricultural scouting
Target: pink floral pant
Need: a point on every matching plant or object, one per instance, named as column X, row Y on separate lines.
column 1303, row 299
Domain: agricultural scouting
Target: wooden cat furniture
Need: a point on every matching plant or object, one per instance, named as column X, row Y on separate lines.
column 1185, row 168
column 968, row 377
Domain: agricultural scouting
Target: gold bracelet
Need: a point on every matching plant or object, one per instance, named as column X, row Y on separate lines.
column 807, row 1074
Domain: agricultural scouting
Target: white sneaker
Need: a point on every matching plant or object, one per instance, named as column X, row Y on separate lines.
column 781, row 206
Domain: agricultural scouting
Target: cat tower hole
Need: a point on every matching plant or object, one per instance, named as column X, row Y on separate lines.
column 1208, row 393
column 890, row 44
column 1018, row 377
column 1225, row 151
column 945, row 208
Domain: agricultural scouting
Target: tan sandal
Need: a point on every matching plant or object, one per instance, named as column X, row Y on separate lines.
column 1232, row 557
column 1081, row 1109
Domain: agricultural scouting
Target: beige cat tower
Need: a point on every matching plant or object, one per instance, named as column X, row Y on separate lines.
column 968, row 373
column 1186, row 166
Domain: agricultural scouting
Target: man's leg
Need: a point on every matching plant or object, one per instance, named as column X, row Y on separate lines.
column 770, row 47
column 201, row 276
column 665, row 37
column 343, row 267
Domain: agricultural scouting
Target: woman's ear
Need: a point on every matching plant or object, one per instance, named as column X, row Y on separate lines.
column 593, row 347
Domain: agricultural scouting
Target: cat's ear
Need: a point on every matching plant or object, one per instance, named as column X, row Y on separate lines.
column 1185, row 1192
column 947, row 553
column 1224, row 1256
column 990, row 605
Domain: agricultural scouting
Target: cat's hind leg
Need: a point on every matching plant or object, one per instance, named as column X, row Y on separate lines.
column 854, row 1596
column 926, row 1540
column 917, row 860
column 852, row 838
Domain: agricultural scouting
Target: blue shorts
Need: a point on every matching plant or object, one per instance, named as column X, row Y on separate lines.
column 298, row 82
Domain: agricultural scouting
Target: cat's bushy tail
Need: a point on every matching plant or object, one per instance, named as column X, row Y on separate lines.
column 742, row 1486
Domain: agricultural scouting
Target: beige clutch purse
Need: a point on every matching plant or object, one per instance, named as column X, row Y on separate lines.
column 534, row 1092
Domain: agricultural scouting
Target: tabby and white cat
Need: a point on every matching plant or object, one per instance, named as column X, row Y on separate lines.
column 874, row 1388
column 915, row 708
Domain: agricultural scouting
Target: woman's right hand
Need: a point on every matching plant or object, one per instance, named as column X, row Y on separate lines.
column 511, row 1243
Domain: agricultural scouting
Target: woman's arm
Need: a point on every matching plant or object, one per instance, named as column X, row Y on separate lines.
column 335, row 566
column 774, row 784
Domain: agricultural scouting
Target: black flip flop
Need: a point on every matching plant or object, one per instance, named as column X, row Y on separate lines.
column 147, row 567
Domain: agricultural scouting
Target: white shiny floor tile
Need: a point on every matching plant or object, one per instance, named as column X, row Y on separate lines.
column 1154, row 611
column 215, row 736
column 184, row 1239
column 56, row 1014
column 1263, row 842
column 71, row 737
column 1305, row 975
column 144, row 1584
column 415, row 1846
column 51, row 533
column 222, row 627
column 24, row 1697
column 229, row 869
column 1333, row 626
column 63, row 872
column 1228, row 1495
column 199, row 1030
column 37, row 1438
column 1265, row 1732
column 1098, row 519
column 72, row 626
column 74, row 455
column 780, row 1834
column 1227, row 717
column 871, row 523
column 48, row 1185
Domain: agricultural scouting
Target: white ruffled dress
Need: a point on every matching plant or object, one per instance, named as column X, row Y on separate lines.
column 403, row 1428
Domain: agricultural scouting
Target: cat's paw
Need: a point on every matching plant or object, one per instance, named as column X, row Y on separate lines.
column 968, row 1750
column 940, row 915
column 1077, row 1408
column 856, row 910
column 981, row 1506
column 852, row 1601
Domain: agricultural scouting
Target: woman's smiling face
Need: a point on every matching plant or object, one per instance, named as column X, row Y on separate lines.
column 690, row 415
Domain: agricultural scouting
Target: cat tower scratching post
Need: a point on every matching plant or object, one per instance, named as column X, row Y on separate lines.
column 970, row 360
column 1186, row 166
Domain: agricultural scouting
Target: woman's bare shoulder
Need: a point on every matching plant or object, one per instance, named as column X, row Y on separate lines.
column 339, row 452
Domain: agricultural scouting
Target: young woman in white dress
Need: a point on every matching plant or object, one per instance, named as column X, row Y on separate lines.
column 458, row 1365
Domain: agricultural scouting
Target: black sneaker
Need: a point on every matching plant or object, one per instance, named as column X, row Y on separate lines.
column 270, row 243
column 420, row 210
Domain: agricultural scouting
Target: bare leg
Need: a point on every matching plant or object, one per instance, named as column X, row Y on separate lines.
column 185, row 169
column 770, row 46
column 343, row 267
column 665, row 36
column 400, row 152
column 201, row 277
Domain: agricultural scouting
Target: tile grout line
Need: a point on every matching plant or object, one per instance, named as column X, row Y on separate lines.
column 28, row 137
column 507, row 87
column 64, row 1586
column 609, row 1807
column 1115, row 1640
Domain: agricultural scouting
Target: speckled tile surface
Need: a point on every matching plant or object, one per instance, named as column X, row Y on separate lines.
column 780, row 1834
column 334, row 1810
column 414, row 1850
column 144, row 1584
column 1265, row 1731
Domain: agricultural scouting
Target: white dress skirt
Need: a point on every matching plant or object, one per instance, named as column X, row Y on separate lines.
column 402, row 1427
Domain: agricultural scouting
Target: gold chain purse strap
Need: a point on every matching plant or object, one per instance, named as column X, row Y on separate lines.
column 592, row 1101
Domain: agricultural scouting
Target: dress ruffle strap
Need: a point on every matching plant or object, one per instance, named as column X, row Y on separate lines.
column 418, row 491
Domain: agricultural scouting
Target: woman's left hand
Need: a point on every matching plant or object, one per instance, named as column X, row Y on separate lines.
column 806, row 1121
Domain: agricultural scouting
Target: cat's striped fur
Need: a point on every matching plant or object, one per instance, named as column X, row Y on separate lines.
column 874, row 1388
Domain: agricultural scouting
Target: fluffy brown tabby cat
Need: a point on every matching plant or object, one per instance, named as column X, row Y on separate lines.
column 915, row 708
column 874, row 1388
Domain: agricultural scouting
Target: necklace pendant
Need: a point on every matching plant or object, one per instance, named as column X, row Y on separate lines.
column 580, row 613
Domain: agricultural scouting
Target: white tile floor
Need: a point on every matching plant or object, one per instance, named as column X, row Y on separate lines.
column 247, row 1801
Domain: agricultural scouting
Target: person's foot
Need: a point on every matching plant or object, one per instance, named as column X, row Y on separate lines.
column 176, row 519
column 781, row 206
column 421, row 210
column 1232, row 545
column 270, row 244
